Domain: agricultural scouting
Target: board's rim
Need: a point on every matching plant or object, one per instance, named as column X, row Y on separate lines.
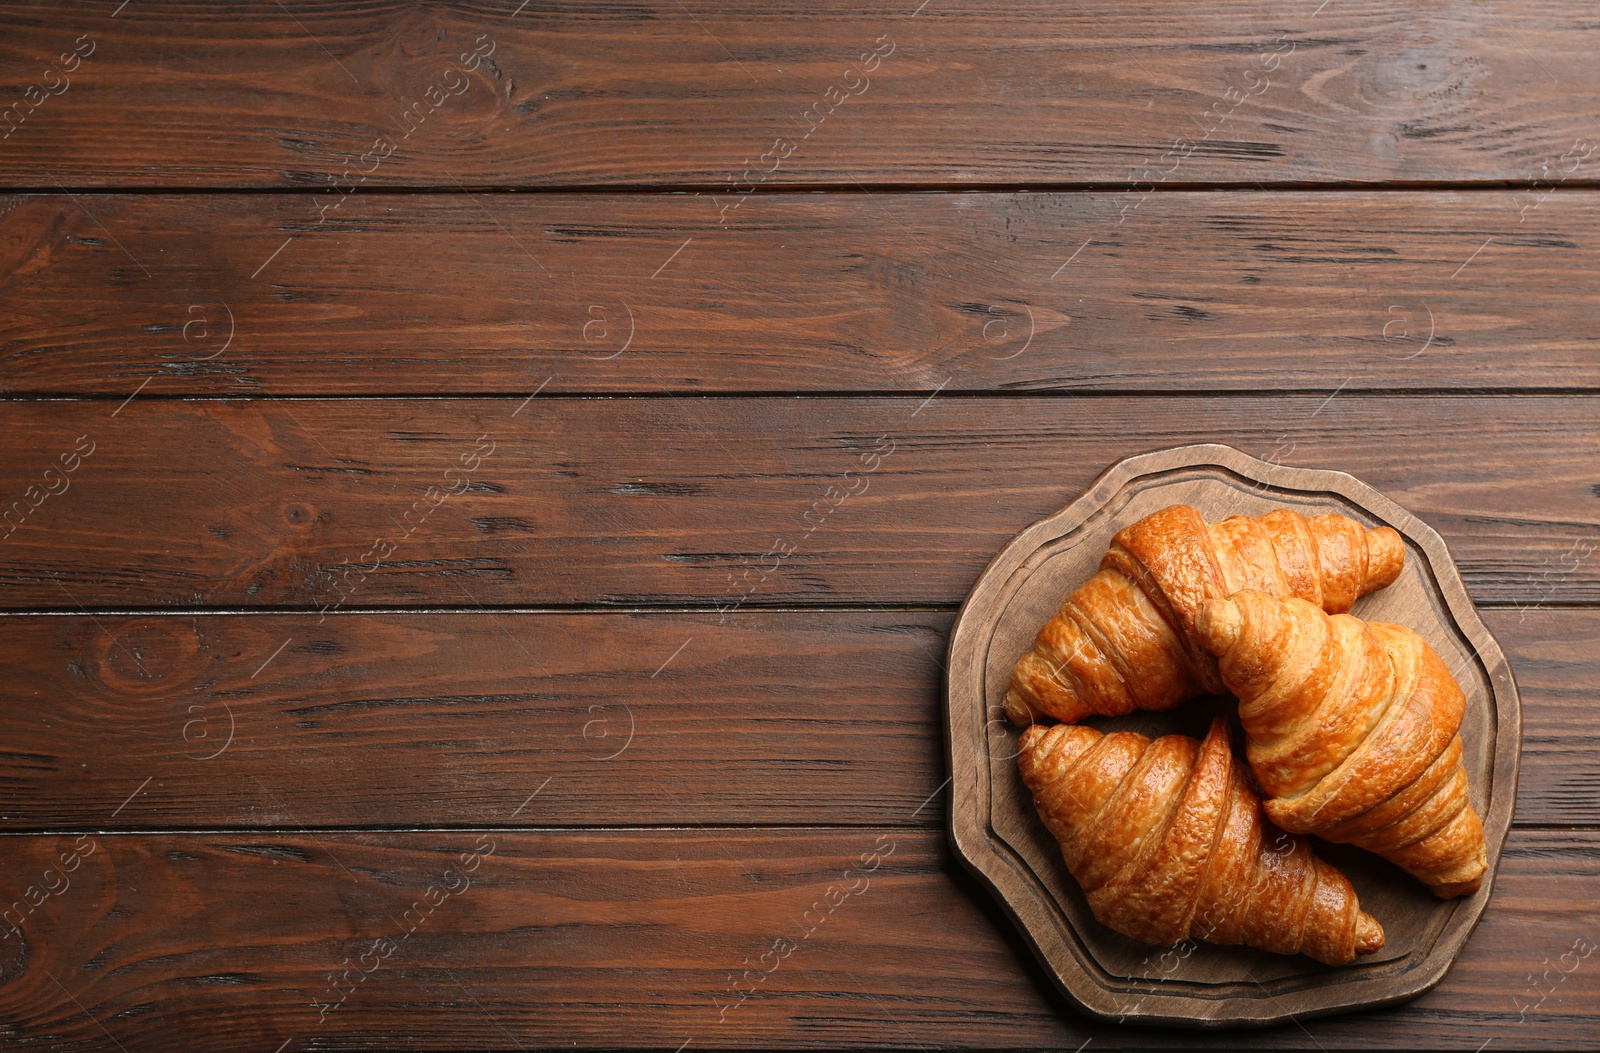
column 989, row 859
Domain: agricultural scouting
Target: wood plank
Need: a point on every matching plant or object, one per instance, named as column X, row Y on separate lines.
column 499, row 293
column 1552, row 658
column 726, row 502
column 461, row 719
column 745, row 93
column 578, row 937
column 458, row 720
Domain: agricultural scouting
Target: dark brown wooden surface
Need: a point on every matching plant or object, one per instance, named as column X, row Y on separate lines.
column 692, row 93
column 1023, row 252
column 700, row 501
column 424, row 293
column 633, row 719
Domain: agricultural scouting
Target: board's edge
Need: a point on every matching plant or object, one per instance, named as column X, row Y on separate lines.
column 1164, row 1010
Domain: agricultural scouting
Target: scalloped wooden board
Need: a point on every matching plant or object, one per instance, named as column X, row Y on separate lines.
column 998, row 836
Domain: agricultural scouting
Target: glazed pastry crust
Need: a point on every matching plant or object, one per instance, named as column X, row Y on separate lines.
column 1126, row 639
column 1353, row 730
column 1169, row 842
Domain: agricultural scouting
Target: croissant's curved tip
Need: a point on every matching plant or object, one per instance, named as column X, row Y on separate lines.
column 1386, row 555
column 1030, row 738
column 1369, row 934
column 1018, row 710
column 1219, row 623
column 1452, row 889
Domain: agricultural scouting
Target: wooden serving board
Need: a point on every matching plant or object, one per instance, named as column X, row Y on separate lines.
column 998, row 835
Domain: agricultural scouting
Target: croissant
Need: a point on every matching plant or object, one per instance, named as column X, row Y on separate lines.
column 1352, row 728
column 1168, row 840
column 1125, row 639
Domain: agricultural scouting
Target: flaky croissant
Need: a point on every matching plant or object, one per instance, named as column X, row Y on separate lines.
column 1125, row 640
column 1169, row 842
column 1352, row 729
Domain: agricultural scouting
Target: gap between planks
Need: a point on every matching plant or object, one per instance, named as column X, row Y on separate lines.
column 874, row 394
column 1243, row 186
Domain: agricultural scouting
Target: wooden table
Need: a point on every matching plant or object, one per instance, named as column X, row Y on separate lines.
column 487, row 486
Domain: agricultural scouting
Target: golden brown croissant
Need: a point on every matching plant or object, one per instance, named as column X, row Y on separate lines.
column 1352, row 729
column 1125, row 640
column 1168, row 840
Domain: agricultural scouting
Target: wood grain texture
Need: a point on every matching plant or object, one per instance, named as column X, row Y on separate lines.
column 176, row 95
column 406, row 720
column 725, row 502
column 495, row 293
column 584, row 936
column 1553, row 657
column 773, row 718
column 314, row 199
